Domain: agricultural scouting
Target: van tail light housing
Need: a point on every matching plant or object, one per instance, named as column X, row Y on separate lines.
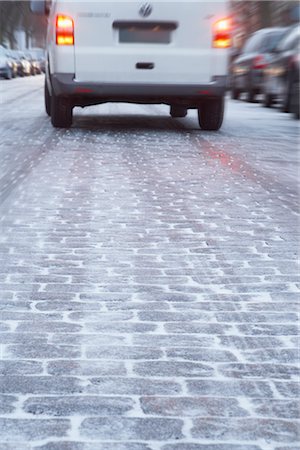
column 64, row 30
column 259, row 62
column 222, row 30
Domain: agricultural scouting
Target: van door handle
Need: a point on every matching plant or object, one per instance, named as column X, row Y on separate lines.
column 144, row 65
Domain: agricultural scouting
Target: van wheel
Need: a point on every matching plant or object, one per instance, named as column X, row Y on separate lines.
column 211, row 113
column 178, row 111
column 61, row 112
column 47, row 98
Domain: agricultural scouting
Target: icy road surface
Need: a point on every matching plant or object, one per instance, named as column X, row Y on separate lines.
column 148, row 278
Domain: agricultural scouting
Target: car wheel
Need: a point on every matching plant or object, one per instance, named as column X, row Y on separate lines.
column 286, row 103
column 47, row 98
column 178, row 111
column 61, row 112
column 251, row 95
column 285, row 107
column 268, row 100
column 294, row 102
column 211, row 113
column 235, row 94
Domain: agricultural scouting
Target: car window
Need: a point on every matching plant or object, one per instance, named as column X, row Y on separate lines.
column 253, row 43
column 271, row 40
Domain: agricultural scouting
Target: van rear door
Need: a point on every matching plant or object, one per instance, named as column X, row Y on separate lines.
column 161, row 42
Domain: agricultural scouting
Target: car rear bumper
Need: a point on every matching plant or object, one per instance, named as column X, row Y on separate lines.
column 250, row 80
column 65, row 85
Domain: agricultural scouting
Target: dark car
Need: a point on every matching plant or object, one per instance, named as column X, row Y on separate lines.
column 247, row 69
column 281, row 77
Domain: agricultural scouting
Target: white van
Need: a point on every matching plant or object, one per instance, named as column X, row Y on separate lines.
column 168, row 52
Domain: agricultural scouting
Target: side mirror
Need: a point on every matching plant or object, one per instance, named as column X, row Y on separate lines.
column 39, row 7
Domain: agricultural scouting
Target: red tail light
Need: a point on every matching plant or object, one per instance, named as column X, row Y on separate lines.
column 64, row 30
column 259, row 62
column 222, row 33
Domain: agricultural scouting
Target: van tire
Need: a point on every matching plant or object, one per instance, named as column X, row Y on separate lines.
column 47, row 98
column 61, row 112
column 211, row 113
column 178, row 111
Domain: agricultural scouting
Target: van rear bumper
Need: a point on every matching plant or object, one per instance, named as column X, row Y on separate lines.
column 65, row 85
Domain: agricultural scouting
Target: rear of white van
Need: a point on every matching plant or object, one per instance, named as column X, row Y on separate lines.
column 157, row 52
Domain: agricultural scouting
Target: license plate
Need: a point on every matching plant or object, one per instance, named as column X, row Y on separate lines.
column 145, row 32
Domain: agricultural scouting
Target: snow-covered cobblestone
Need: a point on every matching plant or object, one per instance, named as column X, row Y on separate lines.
column 149, row 279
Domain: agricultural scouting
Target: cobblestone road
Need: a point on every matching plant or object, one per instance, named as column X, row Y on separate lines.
column 148, row 279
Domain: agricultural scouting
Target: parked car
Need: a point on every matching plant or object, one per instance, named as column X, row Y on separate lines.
column 13, row 62
column 25, row 64
column 39, row 55
column 18, row 63
column 281, row 76
column 247, row 70
column 33, row 62
column 6, row 63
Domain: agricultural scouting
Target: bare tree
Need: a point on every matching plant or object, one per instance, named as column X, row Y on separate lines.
column 9, row 21
column 265, row 13
column 16, row 15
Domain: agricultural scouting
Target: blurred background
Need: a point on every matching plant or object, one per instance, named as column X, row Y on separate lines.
column 250, row 16
column 20, row 29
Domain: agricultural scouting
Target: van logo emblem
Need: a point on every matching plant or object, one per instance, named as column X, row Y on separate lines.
column 145, row 10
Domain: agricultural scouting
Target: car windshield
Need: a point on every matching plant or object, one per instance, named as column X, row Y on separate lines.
column 273, row 40
column 265, row 42
column 252, row 43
